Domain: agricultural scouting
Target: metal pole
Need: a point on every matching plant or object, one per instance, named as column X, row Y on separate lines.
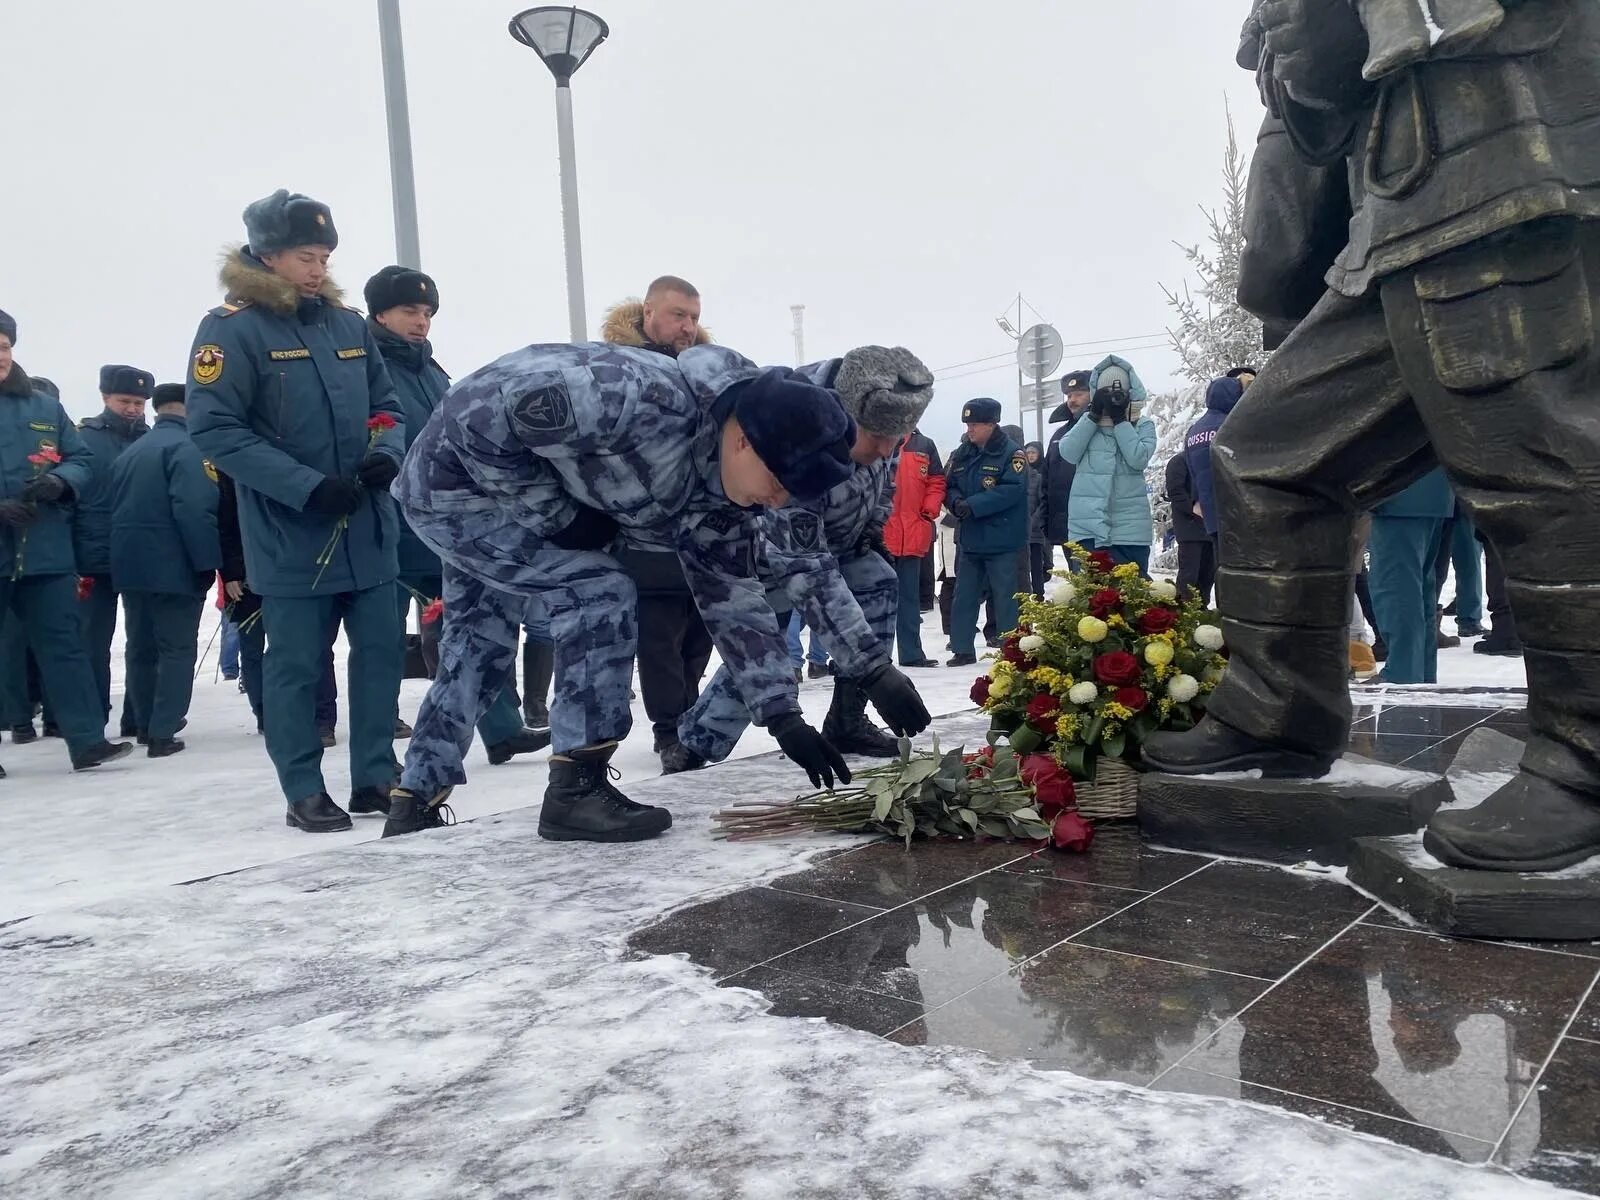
column 799, row 311
column 570, row 235
column 1038, row 388
column 1022, row 395
column 402, row 178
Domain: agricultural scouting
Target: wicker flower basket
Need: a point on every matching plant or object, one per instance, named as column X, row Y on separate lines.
column 1114, row 794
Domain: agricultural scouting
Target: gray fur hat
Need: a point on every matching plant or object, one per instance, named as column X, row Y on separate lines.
column 885, row 388
column 8, row 326
column 283, row 221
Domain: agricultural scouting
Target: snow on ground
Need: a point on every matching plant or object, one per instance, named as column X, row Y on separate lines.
column 455, row 1014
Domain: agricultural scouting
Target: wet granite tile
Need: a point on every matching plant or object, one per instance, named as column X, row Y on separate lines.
column 1557, row 1136
column 1588, row 1023
column 1404, row 1133
column 1583, row 949
column 933, row 950
column 733, row 932
column 887, row 874
column 1094, row 1013
column 1118, row 858
column 1512, row 721
column 796, row 996
column 1443, row 1033
column 1234, row 917
column 1393, row 748
column 1435, row 722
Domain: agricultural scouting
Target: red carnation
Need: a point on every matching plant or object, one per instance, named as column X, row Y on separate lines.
column 1157, row 620
column 980, row 691
column 1118, row 668
column 1012, row 653
column 1069, row 831
column 1042, row 712
column 433, row 612
column 45, row 456
column 1131, row 698
column 980, row 764
column 85, row 587
column 1102, row 560
column 1053, row 789
column 380, row 422
column 1105, row 602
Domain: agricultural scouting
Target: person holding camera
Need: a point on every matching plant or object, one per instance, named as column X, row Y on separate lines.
column 1109, row 508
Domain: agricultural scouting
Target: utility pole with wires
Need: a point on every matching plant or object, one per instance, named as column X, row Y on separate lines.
column 1039, row 350
column 799, row 313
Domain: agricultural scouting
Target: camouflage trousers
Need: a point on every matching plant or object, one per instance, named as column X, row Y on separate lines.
column 580, row 600
column 718, row 719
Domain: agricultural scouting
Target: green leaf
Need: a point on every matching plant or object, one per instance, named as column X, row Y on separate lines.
column 1091, row 732
column 1024, row 814
column 1026, row 739
column 1114, row 745
column 969, row 817
column 995, row 827
column 881, row 810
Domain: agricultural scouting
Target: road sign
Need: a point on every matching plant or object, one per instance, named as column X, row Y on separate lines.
column 1039, row 351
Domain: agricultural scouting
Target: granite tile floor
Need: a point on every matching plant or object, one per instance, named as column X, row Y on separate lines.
column 1182, row 973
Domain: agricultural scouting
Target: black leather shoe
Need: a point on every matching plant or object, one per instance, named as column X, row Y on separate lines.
column 144, row 739
column 1498, row 645
column 580, row 805
column 409, row 813
column 317, row 814
column 962, row 660
column 369, row 799
column 536, row 714
column 329, row 741
column 401, row 730
column 103, row 753
column 23, row 734
column 1530, row 824
column 526, row 742
column 164, row 747
column 922, row 662
column 1212, row 747
column 1469, row 629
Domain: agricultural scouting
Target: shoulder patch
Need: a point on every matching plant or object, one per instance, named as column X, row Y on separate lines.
column 208, row 364
column 228, row 309
column 1019, row 463
column 545, row 409
column 211, row 471
column 805, row 530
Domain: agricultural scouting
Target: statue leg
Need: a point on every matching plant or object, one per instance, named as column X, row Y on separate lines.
column 1505, row 377
column 1326, row 431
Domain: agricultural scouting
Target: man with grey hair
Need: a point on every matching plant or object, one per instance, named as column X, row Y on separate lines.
column 828, row 561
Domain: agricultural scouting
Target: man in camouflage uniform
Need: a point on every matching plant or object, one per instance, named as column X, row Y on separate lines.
column 827, row 559
column 1459, row 330
column 521, row 482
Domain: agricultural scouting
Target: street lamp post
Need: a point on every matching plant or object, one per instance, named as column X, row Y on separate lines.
column 563, row 38
column 402, row 179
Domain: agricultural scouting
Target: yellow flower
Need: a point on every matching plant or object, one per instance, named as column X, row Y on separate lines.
column 1166, row 706
column 1066, row 727
column 999, row 686
column 1116, row 621
column 1093, row 629
column 1125, row 571
column 1158, row 653
column 1117, row 711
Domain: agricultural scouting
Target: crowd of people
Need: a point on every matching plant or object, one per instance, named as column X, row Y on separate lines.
column 646, row 498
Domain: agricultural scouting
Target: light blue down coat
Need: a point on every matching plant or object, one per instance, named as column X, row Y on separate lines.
column 1110, row 503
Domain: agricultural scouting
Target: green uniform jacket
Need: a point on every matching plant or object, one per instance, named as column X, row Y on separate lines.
column 105, row 437
column 994, row 480
column 163, row 514
column 32, row 423
column 280, row 394
column 420, row 383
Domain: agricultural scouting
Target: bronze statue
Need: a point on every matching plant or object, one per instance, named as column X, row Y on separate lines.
column 1457, row 328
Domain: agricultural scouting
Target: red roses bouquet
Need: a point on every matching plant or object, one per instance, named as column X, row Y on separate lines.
column 1103, row 661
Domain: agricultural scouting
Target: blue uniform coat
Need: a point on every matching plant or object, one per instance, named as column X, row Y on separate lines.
column 163, row 514
column 994, row 481
column 280, row 393
column 105, row 437
column 30, row 423
column 420, row 383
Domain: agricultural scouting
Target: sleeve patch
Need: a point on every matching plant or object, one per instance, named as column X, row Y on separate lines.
column 544, row 410
column 805, row 531
column 208, row 364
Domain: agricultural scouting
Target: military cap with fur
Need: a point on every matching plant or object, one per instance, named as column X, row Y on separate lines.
column 394, row 286
column 885, row 388
column 167, row 393
column 119, row 380
column 982, row 411
column 287, row 219
column 8, row 326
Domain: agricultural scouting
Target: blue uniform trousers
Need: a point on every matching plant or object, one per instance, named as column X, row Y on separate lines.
column 46, row 609
column 1403, row 595
column 908, row 610
column 163, row 632
column 297, row 630
column 99, row 614
column 974, row 572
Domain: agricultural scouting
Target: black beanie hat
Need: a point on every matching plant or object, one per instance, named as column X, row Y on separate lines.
column 799, row 430
column 168, row 393
column 118, row 380
column 283, row 221
column 8, row 326
column 394, row 286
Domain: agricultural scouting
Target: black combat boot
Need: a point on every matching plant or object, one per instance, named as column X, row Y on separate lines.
column 369, row 799
column 409, row 813
column 401, row 730
column 23, row 734
column 962, row 660
column 525, row 742
column 677, row 758
column 144, row 739
column 535, row 714
column 103, row 753
column 1212, row 746
column 164, row 747
column 317, row 814
column 580, row 805
column 848, row 727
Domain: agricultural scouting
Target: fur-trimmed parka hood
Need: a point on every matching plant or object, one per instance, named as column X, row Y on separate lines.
column 16, row 382
column 244, row 279
column 624, row 326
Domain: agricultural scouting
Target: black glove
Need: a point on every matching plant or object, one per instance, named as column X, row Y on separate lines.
column 17, row 514
column 1117, row 407
column 245, row 607
column 896, row 699
column 203, row 581
column 47, row 489
column 334, row 497
column 377, row 472
column 590, row 529
column 959, row 508
column 872, row 543
column 810, row 751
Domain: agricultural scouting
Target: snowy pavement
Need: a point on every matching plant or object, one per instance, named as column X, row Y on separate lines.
column 455, row 1014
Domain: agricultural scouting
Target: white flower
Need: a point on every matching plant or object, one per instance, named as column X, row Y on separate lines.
column 1208, row 637
column 1083, row 693
column 1060, row 591
column 1212, row 674
column 1165, row 590
column 1031, row 644
column 1183, row 688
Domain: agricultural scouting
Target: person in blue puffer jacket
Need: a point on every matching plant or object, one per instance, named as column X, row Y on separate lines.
column 1110, row 447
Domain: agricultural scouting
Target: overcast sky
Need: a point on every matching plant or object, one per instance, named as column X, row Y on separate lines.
column 901, row 168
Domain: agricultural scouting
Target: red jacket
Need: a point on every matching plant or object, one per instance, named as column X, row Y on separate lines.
column 918, row 497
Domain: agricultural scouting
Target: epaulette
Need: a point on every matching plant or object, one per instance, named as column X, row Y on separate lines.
column 227, row 310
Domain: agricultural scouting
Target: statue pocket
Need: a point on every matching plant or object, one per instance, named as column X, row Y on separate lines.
column 1498, row 311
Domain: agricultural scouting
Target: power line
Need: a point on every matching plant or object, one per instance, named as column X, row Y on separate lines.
column 1109, row 342
column 1109, row 347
